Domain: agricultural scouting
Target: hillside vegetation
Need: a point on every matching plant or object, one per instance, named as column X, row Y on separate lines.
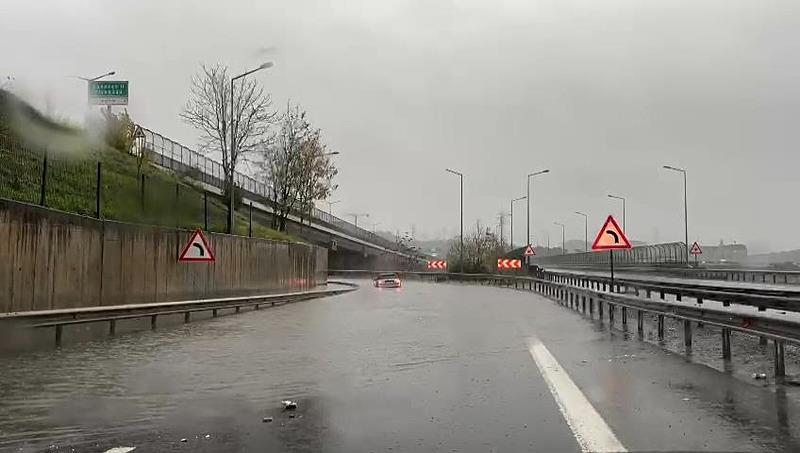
column 148, row 195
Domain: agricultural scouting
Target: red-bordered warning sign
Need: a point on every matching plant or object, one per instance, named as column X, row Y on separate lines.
column 529, row 251
column 197, row 249
column 696, row 250
column 611, row 237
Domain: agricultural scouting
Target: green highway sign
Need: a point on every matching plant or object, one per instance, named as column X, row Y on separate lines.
column 108, row 92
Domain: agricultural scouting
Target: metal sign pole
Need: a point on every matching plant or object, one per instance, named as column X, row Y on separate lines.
column 611, row 260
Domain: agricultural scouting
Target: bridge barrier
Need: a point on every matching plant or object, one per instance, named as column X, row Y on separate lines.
column 669, row 254
column 595, row 293
column 180, row 159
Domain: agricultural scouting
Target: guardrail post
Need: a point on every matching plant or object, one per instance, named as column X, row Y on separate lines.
column 648, row 293
column 591, row 307
column 687, row 335
column 726, row 303
column 762, row 341
column 611, row 314
column 112, row 327
column 255, row 307
column 624, row 316
column 780, row 366
column 699, row 301
column 600, row 309
column 726, row 343
column 59, row 332
column 153, row 322
column 640, row 322
column 238, row 309
column 583, row 303
column 678, row 297
column 660, row 327
column 214, row 313
column 187, row 317
column 662, row 294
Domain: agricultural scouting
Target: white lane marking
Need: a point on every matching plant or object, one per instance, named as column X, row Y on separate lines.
column 589, row 428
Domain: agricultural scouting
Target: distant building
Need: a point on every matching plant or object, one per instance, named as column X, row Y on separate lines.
column 736, row 253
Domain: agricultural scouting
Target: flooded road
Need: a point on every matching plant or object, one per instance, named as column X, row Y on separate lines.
column 427, row 367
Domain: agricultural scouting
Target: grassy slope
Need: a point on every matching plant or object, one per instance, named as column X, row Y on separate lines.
column 71, row 180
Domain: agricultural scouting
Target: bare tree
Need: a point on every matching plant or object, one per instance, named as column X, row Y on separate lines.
column 481, row 249
column 296, row 168
column 209, row 110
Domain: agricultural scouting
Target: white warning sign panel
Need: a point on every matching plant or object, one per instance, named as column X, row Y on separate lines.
column 197, row 249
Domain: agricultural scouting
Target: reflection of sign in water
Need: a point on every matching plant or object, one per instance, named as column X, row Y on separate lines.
column 197, row 249
column 108, row 92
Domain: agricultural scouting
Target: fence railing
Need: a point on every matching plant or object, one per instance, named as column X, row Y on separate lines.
column 673, row 253
column 110, row 186
column 172, row 155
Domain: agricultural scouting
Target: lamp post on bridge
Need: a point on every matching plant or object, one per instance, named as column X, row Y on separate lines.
column 563, row 248
column 512, row 219
column 585, row 230
column 461, row 181
column 624, row 229
column 685, row 210
column 231, row 126
column 355, row 217
column 330, row 206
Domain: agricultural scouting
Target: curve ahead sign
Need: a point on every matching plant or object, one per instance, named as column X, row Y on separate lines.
column 611, row 237
column 197, row 249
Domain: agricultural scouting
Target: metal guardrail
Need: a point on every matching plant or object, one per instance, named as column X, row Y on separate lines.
column 57, row 319
column 673, row 253
column 580, row 294
column 176, row 157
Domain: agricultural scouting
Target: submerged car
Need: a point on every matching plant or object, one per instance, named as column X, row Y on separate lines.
column 389, row 280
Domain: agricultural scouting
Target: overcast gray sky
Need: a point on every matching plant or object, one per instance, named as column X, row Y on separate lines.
column 602, row 92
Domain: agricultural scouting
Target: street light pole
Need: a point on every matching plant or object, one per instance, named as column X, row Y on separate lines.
column 585, row 230
column 330, row 206
column 232, row 152
column 563, row 248
column 461, row 181
column 685, row 210
column 624, row 228
column 530, row 201
column 356, row 216
column 512, row 219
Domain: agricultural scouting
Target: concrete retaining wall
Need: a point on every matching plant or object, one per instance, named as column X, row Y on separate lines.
column 50, row 260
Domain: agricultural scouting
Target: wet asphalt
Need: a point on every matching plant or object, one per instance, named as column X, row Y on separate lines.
column 428, row 367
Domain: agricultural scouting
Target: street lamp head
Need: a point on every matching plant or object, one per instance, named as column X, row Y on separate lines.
column 266, row 65
column 538, row 173
column 333, row 153
column 453, row 172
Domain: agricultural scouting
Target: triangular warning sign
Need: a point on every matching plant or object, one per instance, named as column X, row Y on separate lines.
column 529, row 251
column 696, row 250
column 138, row 132
column 197, row 249
column 611, row 237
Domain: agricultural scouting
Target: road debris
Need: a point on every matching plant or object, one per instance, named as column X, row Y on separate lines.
column 289, row 405
column 759, row 375
column 184, row 440
column 207, row 436
column 120, row 450
column 266, row 420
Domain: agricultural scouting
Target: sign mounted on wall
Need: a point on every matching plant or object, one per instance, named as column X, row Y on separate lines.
column 197, row 249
